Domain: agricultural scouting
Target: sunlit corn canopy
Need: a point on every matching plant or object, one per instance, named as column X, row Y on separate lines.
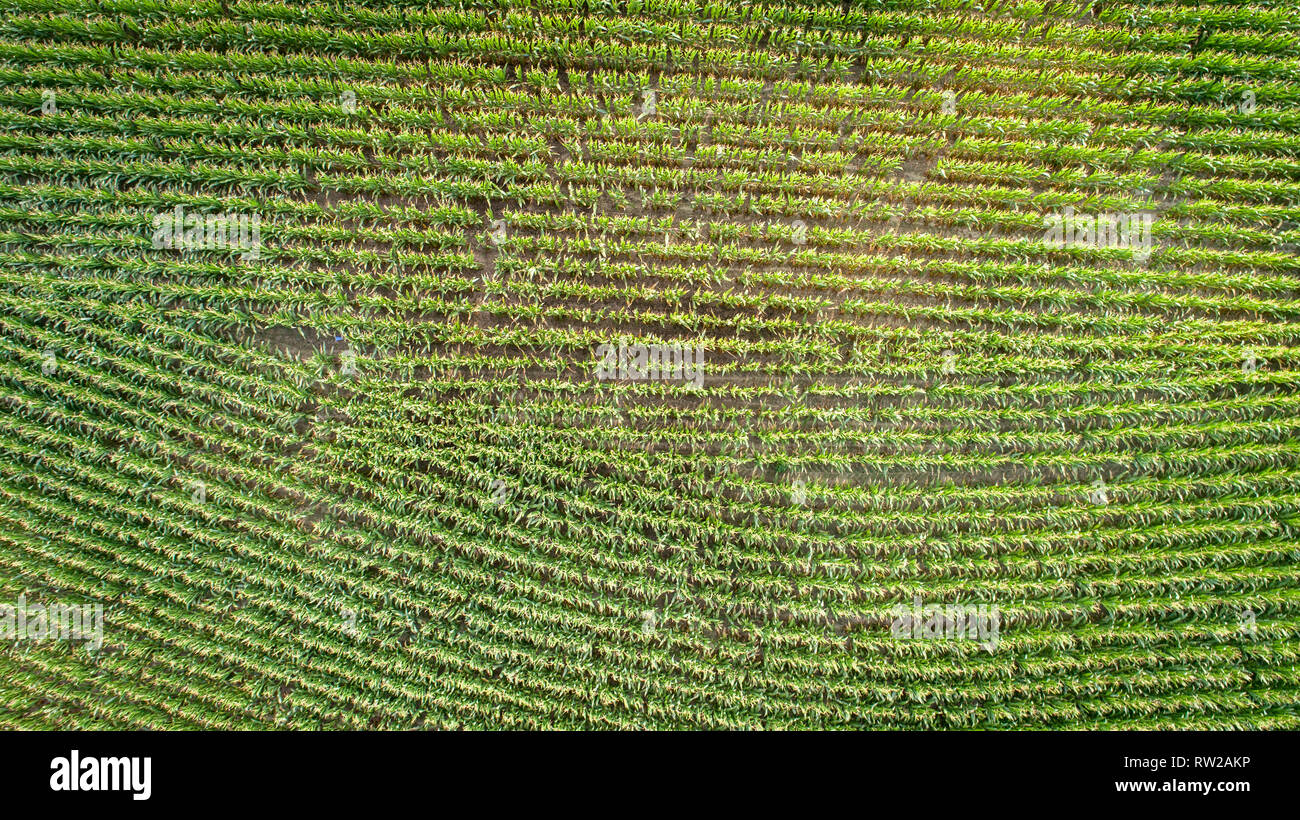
column 560, row 364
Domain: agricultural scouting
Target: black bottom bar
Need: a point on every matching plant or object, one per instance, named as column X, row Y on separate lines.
column 601, row 772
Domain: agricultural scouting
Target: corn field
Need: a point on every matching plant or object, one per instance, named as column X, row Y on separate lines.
column 650, row 364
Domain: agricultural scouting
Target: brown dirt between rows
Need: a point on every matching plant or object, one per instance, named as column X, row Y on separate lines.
column 303, row 342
